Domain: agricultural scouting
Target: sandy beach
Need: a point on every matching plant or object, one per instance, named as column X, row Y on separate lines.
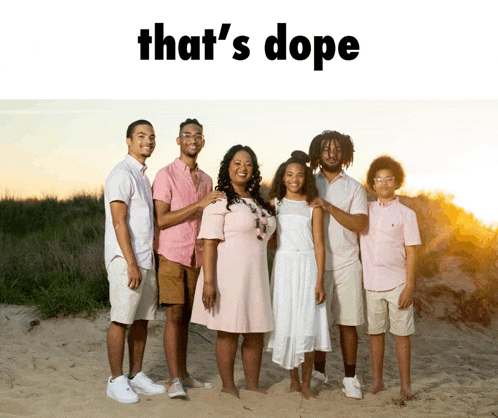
column 58, row 368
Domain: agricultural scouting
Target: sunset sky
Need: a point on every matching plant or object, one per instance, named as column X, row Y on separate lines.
column 64, row 146
column 422, row 89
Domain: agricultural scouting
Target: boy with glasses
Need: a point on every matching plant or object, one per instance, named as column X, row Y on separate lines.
column 388, row 249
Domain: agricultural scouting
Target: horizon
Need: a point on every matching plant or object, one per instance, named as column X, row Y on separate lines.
column 63, row 147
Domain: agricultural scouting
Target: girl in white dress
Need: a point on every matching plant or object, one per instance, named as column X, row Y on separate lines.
column 298, row 273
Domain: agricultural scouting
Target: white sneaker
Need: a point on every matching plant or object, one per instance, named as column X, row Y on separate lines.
column 352, row 387
column 120, row 390
column 143, row 384
column 318, row 377
column 176, row 389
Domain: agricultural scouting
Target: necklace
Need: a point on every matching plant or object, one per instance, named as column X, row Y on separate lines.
column 260, row 219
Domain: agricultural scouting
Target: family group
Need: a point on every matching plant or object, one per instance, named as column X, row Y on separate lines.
column 202, row 254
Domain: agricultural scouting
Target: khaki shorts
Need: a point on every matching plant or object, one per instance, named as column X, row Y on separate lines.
column 344, row 295
column 127, row 305
column 176, row 282
column 381, row 305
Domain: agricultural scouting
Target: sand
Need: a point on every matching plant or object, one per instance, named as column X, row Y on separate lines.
column 58, row 368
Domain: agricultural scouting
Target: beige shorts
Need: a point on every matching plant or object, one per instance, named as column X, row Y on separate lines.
column 176, row 282
column 129, row 305
column 344, row 295
column 384, row 305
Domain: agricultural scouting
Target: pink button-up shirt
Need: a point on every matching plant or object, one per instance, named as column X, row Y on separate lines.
column 174, row 185
column 391, row 227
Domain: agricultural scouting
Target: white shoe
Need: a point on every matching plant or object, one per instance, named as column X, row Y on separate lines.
column 143, row 384
column 318, row 377
column 120, row 390
column 352, row 387
column 176, row 389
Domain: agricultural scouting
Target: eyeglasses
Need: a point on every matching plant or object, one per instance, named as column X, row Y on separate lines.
column 189, row 135
column 389, row 179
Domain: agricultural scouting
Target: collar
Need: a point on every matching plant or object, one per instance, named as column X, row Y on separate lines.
column 181, row 166
column 137, row 165
column 387, row 204
column 342, row 174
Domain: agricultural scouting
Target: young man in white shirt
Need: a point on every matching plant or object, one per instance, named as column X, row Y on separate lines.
column 344, row 202
column 129, row 260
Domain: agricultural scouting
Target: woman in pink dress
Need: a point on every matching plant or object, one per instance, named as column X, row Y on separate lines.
column 233, row 293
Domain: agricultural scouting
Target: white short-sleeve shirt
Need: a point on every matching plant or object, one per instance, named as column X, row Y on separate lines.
column 128, row 183
column 345, row 193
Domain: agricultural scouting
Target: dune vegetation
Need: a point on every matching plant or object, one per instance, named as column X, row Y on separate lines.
column 52, row 254
column 52, row 257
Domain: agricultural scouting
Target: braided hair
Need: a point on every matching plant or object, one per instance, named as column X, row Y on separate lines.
column 323, row 139
column 252, row 186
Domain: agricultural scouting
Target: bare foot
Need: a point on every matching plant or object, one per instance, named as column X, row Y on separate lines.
column 377, row 387
column 295, row 386
column 407, row 394
column 256, row 389
column 307, row 393
column 231, row 391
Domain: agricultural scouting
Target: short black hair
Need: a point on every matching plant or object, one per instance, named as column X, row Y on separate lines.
column 131, row 128
column 319, row 141
column 189, row 121
column 385, row 162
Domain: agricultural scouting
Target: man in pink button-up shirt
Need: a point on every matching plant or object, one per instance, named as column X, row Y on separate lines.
column 180, row 191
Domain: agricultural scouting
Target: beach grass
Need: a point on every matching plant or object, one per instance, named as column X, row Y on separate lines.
column 52, row 254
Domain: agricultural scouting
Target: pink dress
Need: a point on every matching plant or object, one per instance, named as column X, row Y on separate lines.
column 243, row 301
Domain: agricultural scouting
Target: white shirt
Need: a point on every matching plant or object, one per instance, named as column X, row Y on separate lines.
column 129, row 184
column 345, row 193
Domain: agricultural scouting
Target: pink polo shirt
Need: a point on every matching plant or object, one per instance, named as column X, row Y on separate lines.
column 391, row 227
column 174, row 185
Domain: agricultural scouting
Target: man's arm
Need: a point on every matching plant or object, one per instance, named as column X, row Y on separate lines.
column 406, row 297
column 119, row 211
column 166, row 218
column 354, row 222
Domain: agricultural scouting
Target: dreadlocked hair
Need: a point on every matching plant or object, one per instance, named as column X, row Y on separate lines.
column 278, row 188
column 325, row 138
column 252, row 186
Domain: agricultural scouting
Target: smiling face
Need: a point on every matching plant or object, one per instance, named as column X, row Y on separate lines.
column 240, row 169
column 331, row 157
column 294, row 178
column 191, row 140
column 385, row 185
column 142, row 142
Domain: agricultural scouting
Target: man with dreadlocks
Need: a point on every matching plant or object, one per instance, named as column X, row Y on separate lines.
column 344, row 202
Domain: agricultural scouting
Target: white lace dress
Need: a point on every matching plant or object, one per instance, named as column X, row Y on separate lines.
column 300, row 325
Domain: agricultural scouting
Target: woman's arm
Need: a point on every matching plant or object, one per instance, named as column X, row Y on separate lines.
column 272, row 242
column 209, row 260
column 317, row 229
